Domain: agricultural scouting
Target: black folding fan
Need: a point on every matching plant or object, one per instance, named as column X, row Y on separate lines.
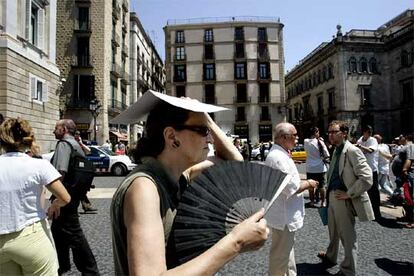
column 220, row 198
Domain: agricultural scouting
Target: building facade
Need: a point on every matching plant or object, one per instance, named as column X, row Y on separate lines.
column 237, row 63
column 93, row 56
column 363, row 77
column 28, row 72
column 146, row 67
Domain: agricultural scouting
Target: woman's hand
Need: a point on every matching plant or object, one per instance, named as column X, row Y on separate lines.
column 252, row 233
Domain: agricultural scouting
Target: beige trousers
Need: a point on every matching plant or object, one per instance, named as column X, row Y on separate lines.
column 282, row 254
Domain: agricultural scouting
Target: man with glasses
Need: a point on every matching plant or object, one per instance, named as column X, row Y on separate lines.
column 287, row 212
column 349, row 179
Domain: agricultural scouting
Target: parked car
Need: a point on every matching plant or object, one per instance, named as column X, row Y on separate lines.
column 106, row 161
column 299, row 153
column 256, row 152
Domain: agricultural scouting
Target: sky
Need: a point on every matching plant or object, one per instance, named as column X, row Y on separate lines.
column 307, row 23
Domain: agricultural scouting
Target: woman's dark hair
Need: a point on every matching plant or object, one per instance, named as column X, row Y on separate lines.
column 313, row 130
column 163, row 115
column 17, row 135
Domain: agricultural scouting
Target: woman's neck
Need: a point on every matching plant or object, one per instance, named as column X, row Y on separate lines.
column 173, row 167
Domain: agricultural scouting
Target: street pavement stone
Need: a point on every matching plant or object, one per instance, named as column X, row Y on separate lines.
column 382, row 249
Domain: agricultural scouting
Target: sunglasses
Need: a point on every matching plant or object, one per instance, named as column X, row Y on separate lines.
column 201, row 130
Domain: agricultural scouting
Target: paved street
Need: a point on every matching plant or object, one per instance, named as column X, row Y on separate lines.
column 383, row 250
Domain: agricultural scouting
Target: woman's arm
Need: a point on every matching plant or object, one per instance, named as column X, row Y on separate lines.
column 145, row 237
column 62, row 198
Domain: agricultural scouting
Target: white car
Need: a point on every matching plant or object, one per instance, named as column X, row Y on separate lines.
column 107, row 161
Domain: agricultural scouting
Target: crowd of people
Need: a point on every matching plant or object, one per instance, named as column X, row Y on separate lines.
column 345, row 178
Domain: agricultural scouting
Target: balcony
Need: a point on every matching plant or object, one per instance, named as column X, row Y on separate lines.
column 239, row 55
column 208, row 56
column 116, row 39
column 125, row 77
column 240, row 117
column 125, row 5
column 264, row 76
column 82, row 61
column 263, row 55
column 116, row 10
column 179, row 79
column 210, row 100
column 83, row 28
column 180, row 58
column 264, row 100
column 125, row 49
column 116, row 70
column 242, row 100
column 116, row 107
column 265, row 117
column 78, row 104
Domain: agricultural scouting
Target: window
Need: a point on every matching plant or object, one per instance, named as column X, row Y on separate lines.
column 320, row 105
column 240, row 70
column 208, row 51
column 365, row 95
column 352, row 65
column 209, row 94
column 114, row 89
column 324, row 73
column 209, row 71
column 331, row 99
column 241, row 91
column 180, row 53
column 261, row 34
column 265, row 133
column 239, row 50
column 208, row 35
column 83, row 51
column 84, row 90
column 407, row 92
column 38, row 89
column 364, row 65
column 265, row 116
column 238, row 33
column 373, row 66
column 179, row 37
column 264, row 70
column 241, row 115
column 179, row 73
column 180, row 91
column 264, row 93
column 35, row 22
column 330, row 71
column 83, row 18
column 263, row 52
column 123, row 97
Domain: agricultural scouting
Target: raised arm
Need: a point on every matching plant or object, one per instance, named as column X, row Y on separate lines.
column 145, row 237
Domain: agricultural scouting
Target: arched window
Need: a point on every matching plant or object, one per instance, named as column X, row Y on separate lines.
column 352, row 65
column 330, row 71
column 363, row 65
column 405, row 59
column 373, row 66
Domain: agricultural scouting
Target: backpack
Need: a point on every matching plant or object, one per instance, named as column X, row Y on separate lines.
column 81, row 172
column 398, row 163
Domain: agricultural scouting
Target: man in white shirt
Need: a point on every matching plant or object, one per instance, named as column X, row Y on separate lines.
column 369, row 147
column 384, row 158
column 316, row 156
column 287, row 212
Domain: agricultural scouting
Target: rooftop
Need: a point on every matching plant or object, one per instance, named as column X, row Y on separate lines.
column 205, row 20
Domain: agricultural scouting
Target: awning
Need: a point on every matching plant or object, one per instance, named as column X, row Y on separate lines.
column 120, row 136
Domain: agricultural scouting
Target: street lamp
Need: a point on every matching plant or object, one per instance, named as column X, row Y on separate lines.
column 94, row 108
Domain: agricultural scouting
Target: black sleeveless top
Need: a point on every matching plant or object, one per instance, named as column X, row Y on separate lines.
column 169, row 192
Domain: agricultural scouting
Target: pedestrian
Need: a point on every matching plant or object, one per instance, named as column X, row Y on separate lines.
column 349, row 179
column 26, row 247
column 286, row 215
column 317, row 156
column 384, row 158
column 172, row 152
column 107, row 145
column 369, row 147
column 262, row 151
column 85, row 202
column 407, row 179
column 66, row 228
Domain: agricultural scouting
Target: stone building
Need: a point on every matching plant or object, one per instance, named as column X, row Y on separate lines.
column 362, row 76
column 93, row 56
column 146, row 67
column 233, row 62
column 28, row 73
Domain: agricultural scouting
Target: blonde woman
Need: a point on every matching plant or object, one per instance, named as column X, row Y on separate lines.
column 25, row 246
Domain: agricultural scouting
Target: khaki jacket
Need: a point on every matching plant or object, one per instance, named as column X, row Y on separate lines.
column 357, row 177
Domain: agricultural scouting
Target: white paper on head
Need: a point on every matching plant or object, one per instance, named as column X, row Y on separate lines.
column 137, row 111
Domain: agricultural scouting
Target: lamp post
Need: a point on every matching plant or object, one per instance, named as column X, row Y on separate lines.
column 94, row 108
